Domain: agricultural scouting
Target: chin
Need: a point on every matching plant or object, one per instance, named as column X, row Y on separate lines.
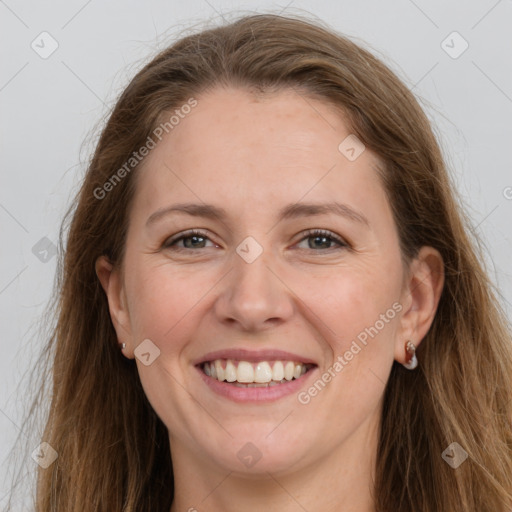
column 259, row 453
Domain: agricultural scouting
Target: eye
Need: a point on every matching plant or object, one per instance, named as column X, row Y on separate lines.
column 323, row 239
column 192, row 239
column 196, row 239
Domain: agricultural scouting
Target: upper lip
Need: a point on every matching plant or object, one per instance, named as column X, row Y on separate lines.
column 240, row 354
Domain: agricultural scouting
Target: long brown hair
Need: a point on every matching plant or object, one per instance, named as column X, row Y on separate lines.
column 114, row 451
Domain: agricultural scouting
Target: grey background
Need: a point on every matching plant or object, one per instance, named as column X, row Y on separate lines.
column 49, row 107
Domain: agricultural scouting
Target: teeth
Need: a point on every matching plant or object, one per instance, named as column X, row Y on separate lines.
column 258, row 384
column 245, row 372
column 220, row 371
column 230, row 373
column 288, row 370
column 261, row 374
column 278, row 371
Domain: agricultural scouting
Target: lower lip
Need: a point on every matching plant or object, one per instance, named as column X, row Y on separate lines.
column 260, row 394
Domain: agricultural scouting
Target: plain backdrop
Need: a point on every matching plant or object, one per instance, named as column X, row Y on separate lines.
column 455, row 56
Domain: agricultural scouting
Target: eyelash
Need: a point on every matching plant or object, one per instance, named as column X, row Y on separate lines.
column 308, row 234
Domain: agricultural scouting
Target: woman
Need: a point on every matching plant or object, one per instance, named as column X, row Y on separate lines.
column 269, row 297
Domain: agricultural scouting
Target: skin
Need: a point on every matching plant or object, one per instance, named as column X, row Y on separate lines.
column 252, row 156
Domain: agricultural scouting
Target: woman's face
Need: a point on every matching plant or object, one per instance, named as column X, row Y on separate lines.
column 257, row 292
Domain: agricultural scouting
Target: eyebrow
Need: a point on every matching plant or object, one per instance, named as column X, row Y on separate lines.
column 290, row 211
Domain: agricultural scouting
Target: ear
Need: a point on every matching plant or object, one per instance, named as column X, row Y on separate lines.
column 420, row 297
column 111, row 280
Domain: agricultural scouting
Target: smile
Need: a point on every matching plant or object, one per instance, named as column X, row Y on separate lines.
column 254, row 374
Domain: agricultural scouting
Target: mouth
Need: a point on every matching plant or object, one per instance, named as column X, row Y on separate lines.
column 255, row 374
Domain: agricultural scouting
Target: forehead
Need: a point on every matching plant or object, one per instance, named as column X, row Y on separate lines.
column 247, row 151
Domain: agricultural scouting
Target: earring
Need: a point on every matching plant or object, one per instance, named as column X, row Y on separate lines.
column 410, row 359
column 123, row 346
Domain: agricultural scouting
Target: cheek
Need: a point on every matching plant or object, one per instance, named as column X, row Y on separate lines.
column 342, row 302
column 164, row 304
column 162, row 298
column 356, row 310
column 353, row 301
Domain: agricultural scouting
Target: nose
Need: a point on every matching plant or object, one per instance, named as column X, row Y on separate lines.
column 254, row 297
